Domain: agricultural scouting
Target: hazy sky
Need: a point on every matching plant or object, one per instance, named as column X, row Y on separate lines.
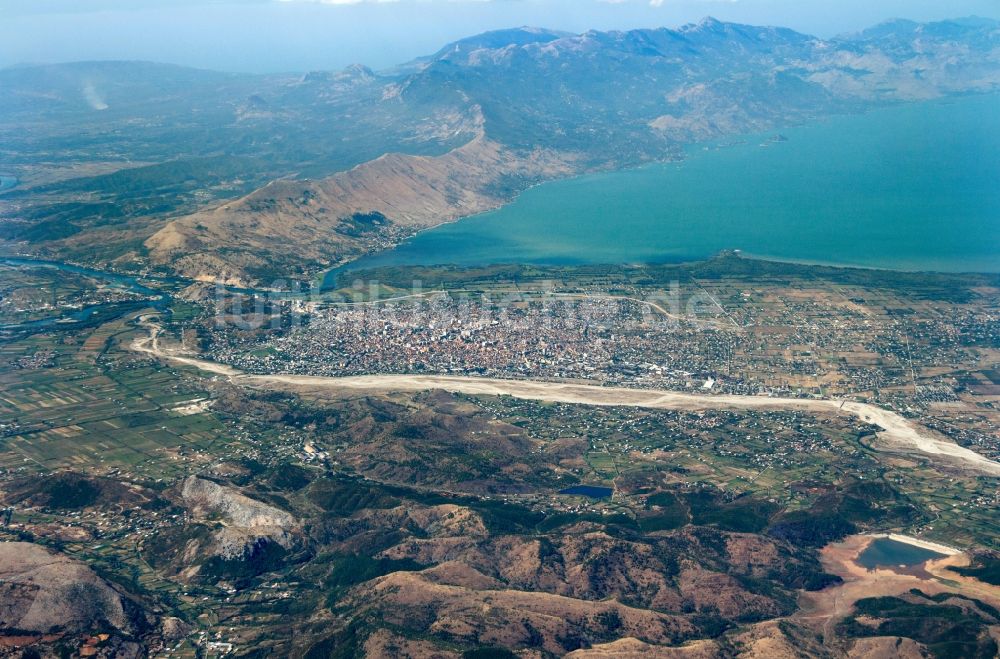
column 297, row 35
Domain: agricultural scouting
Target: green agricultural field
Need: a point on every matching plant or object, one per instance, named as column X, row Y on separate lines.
column 95, row 405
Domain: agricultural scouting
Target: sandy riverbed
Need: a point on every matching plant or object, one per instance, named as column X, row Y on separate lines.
column 899, row 434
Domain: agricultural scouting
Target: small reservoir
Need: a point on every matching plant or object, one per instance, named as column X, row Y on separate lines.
column 592, row 491
column 885, row 552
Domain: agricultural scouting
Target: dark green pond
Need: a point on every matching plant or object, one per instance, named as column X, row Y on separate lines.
column 913, row 187
column 592, row 491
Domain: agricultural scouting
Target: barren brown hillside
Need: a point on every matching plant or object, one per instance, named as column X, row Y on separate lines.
column 299, row 223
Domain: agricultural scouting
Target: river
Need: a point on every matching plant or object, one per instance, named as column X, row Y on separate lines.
column 93, row 314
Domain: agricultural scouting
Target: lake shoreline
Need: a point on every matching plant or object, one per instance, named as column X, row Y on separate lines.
column 854, row 211
column 917, row 542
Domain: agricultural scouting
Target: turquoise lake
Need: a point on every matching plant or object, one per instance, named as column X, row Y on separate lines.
column 913, row 187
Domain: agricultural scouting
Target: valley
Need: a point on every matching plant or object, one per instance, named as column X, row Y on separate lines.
column 383, row 503
column 670, row 342
column 895, row 433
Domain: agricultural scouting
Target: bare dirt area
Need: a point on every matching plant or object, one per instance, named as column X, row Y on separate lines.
column 631, row 648
column 825, row 607
column 967, row 585
column 299, row 217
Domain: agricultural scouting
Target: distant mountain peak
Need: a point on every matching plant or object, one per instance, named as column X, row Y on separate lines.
column 897, row 23
column 976, row 21
column 708, row 24
column 497, row 39
column 538, row 30
column 525, row 35
column 904, row 28
column 893, row 26
column 358, row 69
column 354, row 74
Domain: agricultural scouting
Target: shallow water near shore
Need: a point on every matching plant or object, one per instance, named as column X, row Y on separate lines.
column 885, row 552
column 910, row 187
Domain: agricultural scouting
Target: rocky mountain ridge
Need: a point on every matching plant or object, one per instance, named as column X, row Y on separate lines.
column 554, row 105
column 268, row 177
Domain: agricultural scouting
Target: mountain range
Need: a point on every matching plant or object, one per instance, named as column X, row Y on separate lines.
column 247, row 178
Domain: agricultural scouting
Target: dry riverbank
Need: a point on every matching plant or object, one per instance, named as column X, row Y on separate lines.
column 898, row 434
